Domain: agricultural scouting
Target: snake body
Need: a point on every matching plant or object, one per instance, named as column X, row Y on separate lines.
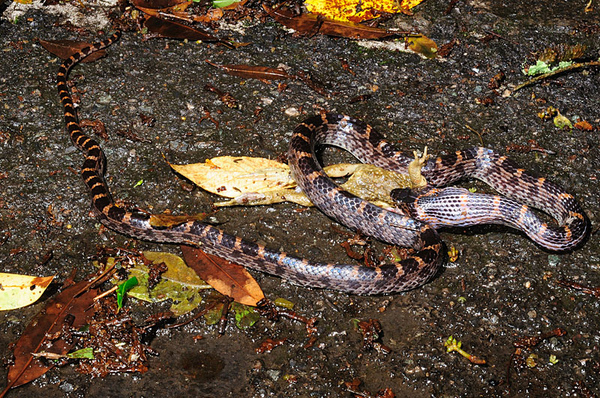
column 415, row 228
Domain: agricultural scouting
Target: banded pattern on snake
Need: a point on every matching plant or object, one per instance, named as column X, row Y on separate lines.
column 428, row 209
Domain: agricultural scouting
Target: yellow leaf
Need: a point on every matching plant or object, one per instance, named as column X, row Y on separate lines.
column 230, row 176
column 358, row 10
column 422, row 45
column 18, row 291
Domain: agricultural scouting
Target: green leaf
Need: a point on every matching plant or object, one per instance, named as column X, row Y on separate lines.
column 213, row 316
column 179, row 283
column 564, row 64
column 224, row 3
column 281, row 302
column 539, row 68
column 245, row 316
column 562, row 122
column 123, row 288
column 86, row 353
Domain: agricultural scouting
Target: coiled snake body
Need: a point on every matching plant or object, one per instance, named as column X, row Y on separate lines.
column 426, row 210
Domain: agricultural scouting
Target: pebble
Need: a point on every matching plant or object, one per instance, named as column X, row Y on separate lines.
column 292, row 112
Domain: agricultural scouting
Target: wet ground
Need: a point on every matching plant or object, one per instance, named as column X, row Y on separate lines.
column 502, row 287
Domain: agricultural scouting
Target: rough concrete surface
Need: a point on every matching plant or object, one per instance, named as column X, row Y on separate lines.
column 502, row 287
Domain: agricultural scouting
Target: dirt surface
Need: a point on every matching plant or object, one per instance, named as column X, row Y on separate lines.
column 501, row 288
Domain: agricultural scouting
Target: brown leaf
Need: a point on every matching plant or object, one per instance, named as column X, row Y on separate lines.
column 167, row 220
column 65, row 48
column 157, row 4
column 253, row 72
column 74, row 302
column 311, row 24
column 583, row 125
column 176, row 30
column 226, row 277
column 269, row 344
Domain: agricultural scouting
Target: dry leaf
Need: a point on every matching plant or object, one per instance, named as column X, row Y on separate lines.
column 74, row 302
column 583, row 125
column 358, row 10
column 18, row 291
column 229, row 176
column 311, row 24
column 253, row 72
column 226, row 277
column 175, row 30
column 65, row 48
column 422, row 45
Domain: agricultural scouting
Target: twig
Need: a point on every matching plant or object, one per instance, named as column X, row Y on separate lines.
column 476, row 132
column 556, row 72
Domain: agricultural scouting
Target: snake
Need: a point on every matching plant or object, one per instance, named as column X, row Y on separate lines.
column 412, row 224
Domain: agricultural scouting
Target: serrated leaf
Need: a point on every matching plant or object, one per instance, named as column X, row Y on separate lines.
column 539, row 68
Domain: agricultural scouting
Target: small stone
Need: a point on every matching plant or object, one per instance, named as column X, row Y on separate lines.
column 274, row 374
column 292, row 112
column 553, row 260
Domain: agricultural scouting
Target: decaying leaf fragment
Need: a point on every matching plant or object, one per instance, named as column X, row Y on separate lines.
column 18, row 291
column 422, row 45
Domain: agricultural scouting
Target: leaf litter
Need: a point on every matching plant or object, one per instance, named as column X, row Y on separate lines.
column 71, row 308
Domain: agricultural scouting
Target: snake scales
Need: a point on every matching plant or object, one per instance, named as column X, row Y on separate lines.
column 424, row 210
